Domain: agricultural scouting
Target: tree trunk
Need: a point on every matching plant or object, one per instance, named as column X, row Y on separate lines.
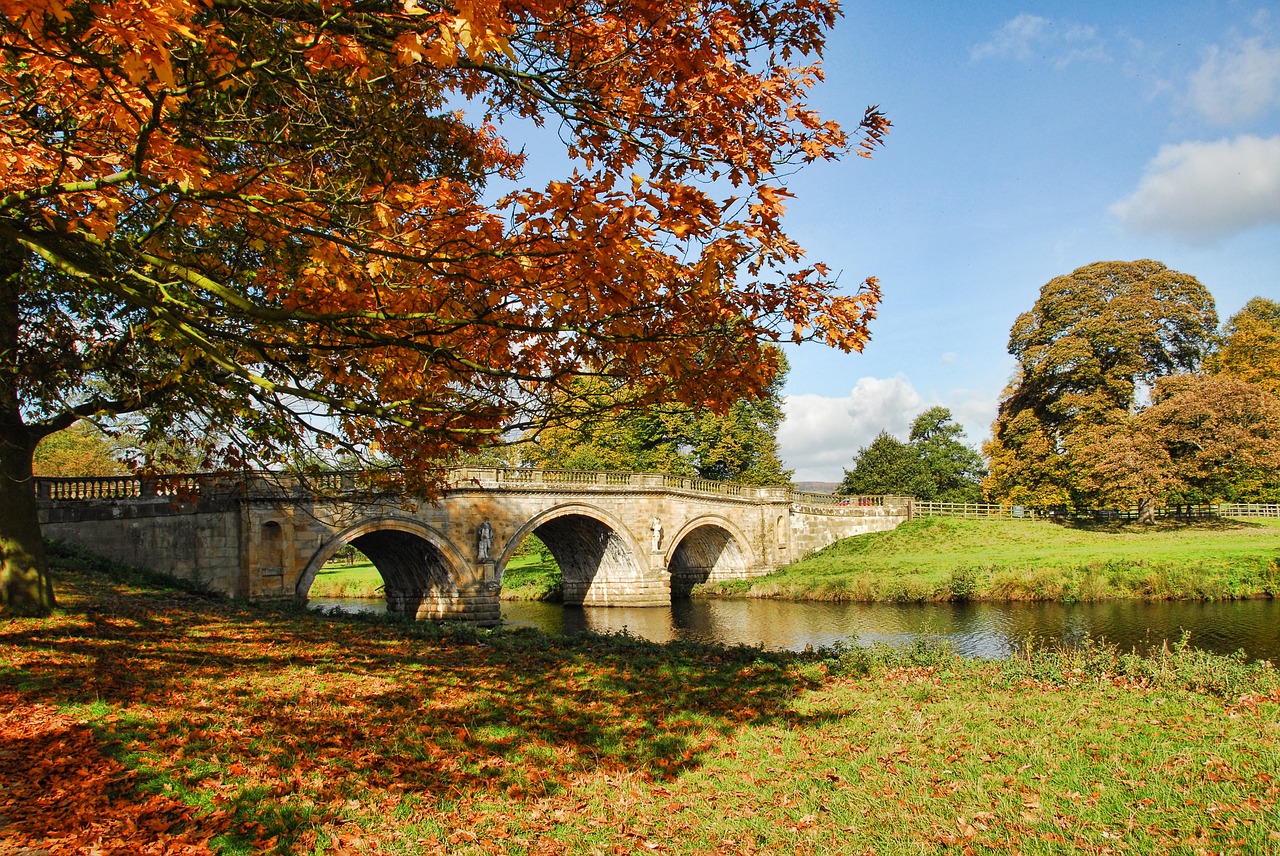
column 25, row 586
column 1147, row 511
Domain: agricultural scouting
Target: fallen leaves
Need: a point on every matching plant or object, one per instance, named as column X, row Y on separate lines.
column 59, row 793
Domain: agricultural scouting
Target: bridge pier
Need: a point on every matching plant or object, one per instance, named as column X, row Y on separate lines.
column 477, row 605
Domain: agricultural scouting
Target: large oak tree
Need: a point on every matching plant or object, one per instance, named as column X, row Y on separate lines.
column 1089, row 352
column 272, row 223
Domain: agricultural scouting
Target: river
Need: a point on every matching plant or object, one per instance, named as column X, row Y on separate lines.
column 991, row 630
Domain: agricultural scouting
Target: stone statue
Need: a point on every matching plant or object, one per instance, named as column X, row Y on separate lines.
column 656, row 527
column 484, row 538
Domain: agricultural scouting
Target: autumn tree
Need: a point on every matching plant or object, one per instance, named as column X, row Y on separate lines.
column 1120, row 464
column 269, row 223
column 1089, row 352
column 81, row 450
column 1250, row 347
column 1221, row 436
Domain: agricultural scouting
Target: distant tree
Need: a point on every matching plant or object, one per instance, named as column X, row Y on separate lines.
column 887, row 466
column 738, row 445
column 742, row 444
column 955, row 469
column 627, row 439
column 1251, row 345
column 1089, row 351
column 81, row 450
column 1222, row 438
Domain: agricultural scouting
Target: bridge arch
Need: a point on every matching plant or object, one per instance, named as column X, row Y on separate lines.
column 418, row 564
column 707, row 548
column 600, row 560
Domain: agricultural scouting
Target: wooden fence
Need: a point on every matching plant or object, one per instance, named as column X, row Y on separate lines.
column 991, row 511
column 1249, row 509
column 971, row 510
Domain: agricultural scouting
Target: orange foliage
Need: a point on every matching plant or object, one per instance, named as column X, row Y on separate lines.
column 235, row 216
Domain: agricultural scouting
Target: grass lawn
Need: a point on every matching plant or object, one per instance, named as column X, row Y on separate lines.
column 531, row 577
column 527, row 577
column 338, row 579
column 937, row 558
column 142, row 719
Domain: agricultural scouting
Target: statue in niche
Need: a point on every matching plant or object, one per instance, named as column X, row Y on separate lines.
column 484, row 539
column 656, row 528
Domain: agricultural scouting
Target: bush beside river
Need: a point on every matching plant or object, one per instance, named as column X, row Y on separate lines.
column 143, row 719
column 950, row 559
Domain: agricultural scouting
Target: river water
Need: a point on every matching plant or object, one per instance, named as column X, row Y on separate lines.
column 974, row 630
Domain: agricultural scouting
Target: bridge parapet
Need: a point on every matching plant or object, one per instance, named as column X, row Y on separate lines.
column 191, row 487
column 187, row 487
column 827, row 503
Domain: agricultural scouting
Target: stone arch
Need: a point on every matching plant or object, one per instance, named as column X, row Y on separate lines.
column 601, row 563
column 420, row 569
column 707, row 549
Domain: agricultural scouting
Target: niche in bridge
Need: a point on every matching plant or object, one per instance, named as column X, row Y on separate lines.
column 708, row 552
column 414, row 572
column 592, row 558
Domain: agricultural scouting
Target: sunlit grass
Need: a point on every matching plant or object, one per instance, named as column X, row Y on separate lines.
column 338, row 579
column 528, row 576
column 162, row 719
column 932, row 559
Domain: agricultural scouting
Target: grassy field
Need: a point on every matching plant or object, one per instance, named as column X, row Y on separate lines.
column 937, row 559
column 528, row 577
column 338, row 579
column 142, row 719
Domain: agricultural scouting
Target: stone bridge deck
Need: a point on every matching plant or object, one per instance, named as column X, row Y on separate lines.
column 633, row 539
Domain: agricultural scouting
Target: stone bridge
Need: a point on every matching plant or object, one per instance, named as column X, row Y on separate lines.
column 634, row 539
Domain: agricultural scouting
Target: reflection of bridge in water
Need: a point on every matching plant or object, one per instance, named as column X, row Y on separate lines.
column 635, row 539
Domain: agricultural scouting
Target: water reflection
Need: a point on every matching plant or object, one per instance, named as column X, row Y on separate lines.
column 974, row 630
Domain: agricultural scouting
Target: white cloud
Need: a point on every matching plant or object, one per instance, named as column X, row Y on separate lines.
column 821, row 434
column 1027, row 36
column 1234, row 86
column 1206, row 191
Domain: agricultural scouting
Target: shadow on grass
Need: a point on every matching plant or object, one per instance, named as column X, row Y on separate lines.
column 1162, row 524
column 281, row 720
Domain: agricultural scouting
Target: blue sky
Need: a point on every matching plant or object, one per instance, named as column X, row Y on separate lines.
column 1028, row 140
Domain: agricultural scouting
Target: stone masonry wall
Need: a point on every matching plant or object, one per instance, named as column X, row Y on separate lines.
column 813, row 528
column 190, row 541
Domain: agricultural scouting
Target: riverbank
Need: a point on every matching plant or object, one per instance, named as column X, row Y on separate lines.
column 936, row 559
column 141, row 718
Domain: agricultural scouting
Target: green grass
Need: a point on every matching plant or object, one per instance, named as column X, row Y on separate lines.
column 939, row 559
column 159, row 720
column 338, row 579
column 527, row 577
column 531, row 577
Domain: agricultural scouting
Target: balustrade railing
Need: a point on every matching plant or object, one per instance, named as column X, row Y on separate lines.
column 85, row 488
column 188, row 486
